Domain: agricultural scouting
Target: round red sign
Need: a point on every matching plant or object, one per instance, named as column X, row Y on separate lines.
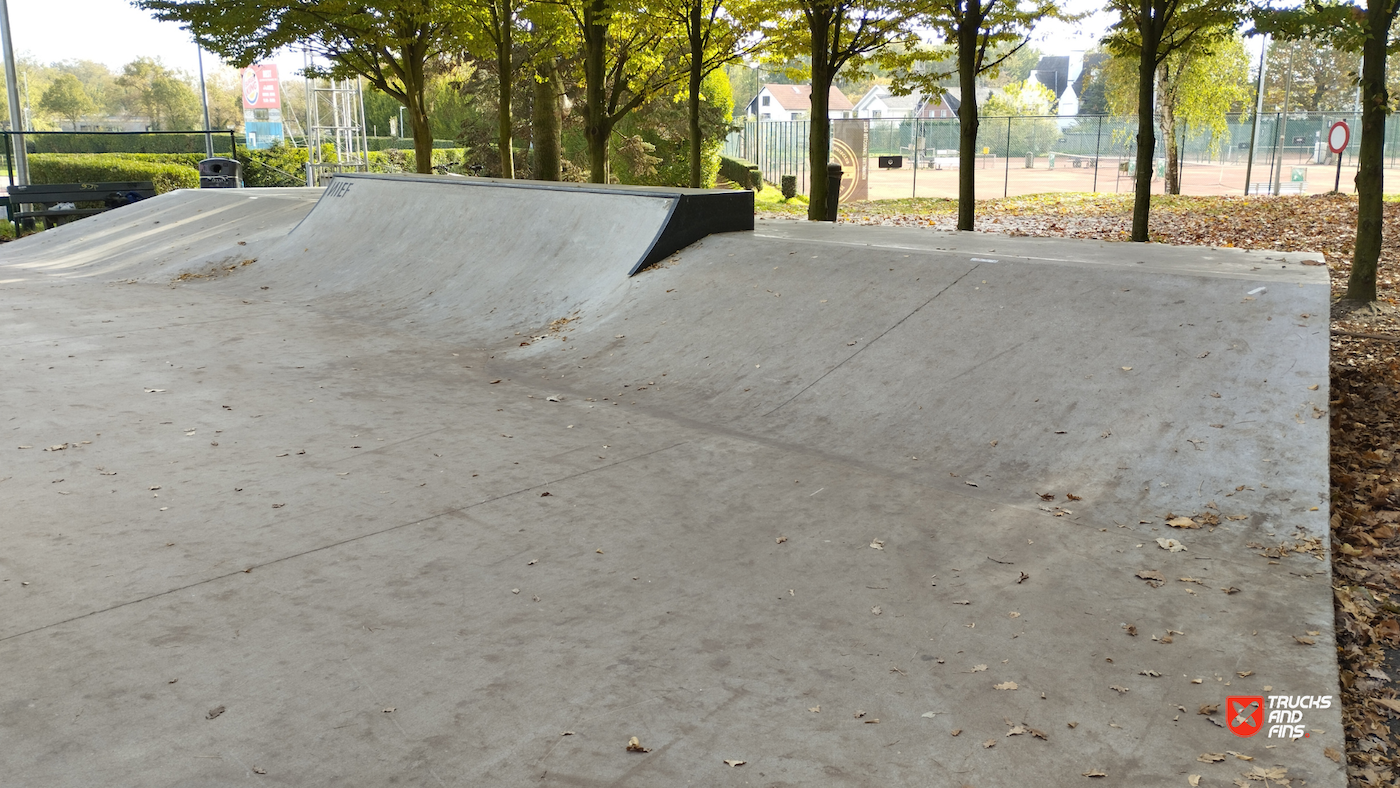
column 1338, row 136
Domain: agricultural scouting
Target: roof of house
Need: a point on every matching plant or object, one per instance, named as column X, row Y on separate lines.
column 1053, row 72
column 910, row 102
column 798, row 98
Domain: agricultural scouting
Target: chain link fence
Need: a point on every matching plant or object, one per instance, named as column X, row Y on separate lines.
column 1029, row 155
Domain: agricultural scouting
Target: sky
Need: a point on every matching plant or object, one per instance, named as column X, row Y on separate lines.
column 115, row 33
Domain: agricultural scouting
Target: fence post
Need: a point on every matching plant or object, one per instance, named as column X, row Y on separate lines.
column 1006, row 183
column 833, row 191
column 1098, row 137
column 915, row 146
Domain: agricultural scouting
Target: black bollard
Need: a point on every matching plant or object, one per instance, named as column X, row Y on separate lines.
column 833, row 191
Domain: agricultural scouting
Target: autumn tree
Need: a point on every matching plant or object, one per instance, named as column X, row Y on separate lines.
column 1198, row 85
column 388, row 42
column 1363, row 27
column 984, row 35
column 716, row 34
column 66, row 98
column 831, row 35
column 159, row 94
column 1150, row 31
column 628, row 56
column 492, row 30
column 1317, row 77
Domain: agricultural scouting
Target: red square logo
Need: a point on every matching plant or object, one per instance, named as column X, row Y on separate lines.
column 1244, row 714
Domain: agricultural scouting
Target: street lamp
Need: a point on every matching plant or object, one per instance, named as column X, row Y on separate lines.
column 12, row 92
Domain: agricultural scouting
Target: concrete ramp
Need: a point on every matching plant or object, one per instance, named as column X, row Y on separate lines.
column 485, row 254
column 156, row 240
column 847, row 506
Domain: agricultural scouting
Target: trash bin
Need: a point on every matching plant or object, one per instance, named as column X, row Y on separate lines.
column 220, row 174
column 1030, row 160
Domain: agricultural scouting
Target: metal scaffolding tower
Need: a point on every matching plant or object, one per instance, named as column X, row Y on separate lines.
column 335, row 128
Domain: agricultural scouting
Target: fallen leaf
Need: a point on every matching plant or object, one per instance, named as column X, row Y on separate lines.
column 1183, row 522
column 875, row 610
column 1333, row 754
column 1043, row 496
column 1171, row 545
column 782, row 539
column 872, row 721
column 1131, row 630
column 1024, row 578
column 1245, row 674
column 214, row 712
column 1240, row 756
column 1039, row 734
column 259, row 769
column 498, row 380
column 1095, row 774
column 1151, row 673
column 390, row 710
column 1305, row 641
column 815, row 709
column 1208, row 708
column 1071, row 725
column 30, row 447
column 877, row 545
column 1015, row 615
column 978, row 668
column 1017, row 730
column 859, row 714
column 732, row 764
column 633, row 745
column 567, row 733
column 989, row 744
column 1072, row 497
column 1193, row 780
column 1006, row 685
column 1152, row 575
column 1127, row 369
column 955, row 731
column 929, row 714
column 1389, row 703
column 1211, row 757
column 1119, row 690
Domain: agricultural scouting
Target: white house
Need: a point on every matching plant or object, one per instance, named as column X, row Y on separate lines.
column 880, row 102
column 794, row 102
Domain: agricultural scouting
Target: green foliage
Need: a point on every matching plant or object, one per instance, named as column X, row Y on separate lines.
column 1029, row 102
column 66, row 98
column 126, row 143
column 742, row 173
column 107, row 167
column 1322, row 79
column 159, row 94
column 445, row 160
column 662, row 125
column 1200, row 84
column 398, row 143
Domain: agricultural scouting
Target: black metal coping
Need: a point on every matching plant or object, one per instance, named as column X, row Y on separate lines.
column 694, row 213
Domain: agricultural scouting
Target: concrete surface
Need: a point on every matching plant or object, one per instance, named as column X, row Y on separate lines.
column 312, row 492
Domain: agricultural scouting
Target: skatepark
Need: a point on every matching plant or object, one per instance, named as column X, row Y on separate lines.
column 443, row 481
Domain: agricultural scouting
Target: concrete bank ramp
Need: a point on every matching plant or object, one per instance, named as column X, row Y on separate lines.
column 852, row 506
column 155, row 240
column 481, row 254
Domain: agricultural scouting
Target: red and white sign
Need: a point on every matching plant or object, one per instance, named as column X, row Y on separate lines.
column 1244, row 714
column 260, row 87
column 1338, row 136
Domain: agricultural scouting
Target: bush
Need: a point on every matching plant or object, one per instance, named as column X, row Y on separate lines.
column 744, row 174
column 789, row 186
column 126, row 143
column 109, row 167
column 396, row 160
column 398, row 143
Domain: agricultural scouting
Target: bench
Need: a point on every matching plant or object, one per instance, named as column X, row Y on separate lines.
column 1286, row 187
column 56, row 203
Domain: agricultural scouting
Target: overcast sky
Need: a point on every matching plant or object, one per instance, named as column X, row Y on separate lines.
column 113, row 32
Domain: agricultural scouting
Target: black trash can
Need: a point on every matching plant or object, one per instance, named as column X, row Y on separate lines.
column 220, row 174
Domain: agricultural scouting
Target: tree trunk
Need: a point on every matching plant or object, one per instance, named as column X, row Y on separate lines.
column 1166, row 118
column 697, row 64
column 504, row 43
column 597, row 126
column 968, row 123
column 545, row 125
column 819, row 141
column 1146, row 142
column 1370, row 177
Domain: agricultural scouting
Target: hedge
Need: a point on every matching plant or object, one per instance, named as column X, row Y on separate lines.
column 108, row 167
column 405, row 143
column 191, row 142
column 744, row 174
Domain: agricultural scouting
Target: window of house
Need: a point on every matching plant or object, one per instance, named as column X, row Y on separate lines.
column 765, row 100
column 875, row 114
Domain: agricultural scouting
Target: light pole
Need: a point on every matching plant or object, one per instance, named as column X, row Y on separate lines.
column 204, row 95
column 12, row 93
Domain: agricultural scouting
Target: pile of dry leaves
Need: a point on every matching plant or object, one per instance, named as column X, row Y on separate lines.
column 1365, row 406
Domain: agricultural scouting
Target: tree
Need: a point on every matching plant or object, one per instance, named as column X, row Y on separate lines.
column 1151, row 31
column 1198, row 84
column 627, row 58
column 1323, row 79
column 159, row 94
column 985, row 35
column 66, row 98
column 1032, row 102
column 832, row 35
column 1364, row 28
column 389, row 42
column 493, row 29
column 714, row 38
column 1016, row 67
